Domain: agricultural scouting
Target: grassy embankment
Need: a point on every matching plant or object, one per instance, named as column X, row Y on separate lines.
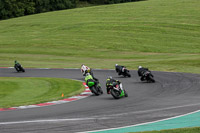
column 26, row 91
column 163, row 35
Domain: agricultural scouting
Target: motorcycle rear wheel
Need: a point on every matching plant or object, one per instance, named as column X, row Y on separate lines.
column 100, row 90
column 151, row 79
column 22, row 69
column 115, row 94
column 94, row 90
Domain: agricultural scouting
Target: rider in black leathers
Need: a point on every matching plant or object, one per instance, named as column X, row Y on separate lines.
column 110, row 81
column 141, row 71
column 18, row 67
column 16, row 64
column 118, row 69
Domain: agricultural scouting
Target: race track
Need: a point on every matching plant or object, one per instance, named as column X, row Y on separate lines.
column 173, row 94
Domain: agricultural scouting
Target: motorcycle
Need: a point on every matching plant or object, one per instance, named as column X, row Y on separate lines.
column 19, row 68
column 149, row 77
column 95, row 88
column 124, row 71
column 117, row 91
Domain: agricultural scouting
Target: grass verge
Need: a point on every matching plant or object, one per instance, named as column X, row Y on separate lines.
column 180, row 130
column 160, row 34
column 26, row 91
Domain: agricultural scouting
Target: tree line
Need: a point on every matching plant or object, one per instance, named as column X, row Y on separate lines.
column 108, row 1
column 16, row 8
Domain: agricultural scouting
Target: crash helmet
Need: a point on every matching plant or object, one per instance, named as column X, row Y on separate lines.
column 109, row 77
column 87, row 74
column 139, row 67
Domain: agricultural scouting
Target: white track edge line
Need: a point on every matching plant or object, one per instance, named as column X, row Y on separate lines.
column 145, row 123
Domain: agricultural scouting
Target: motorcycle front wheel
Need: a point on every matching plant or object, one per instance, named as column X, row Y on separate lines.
column 125, row 93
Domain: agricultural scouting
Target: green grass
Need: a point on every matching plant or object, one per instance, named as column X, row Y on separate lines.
column 163, row 35
column 181, row 130
column 26, row 91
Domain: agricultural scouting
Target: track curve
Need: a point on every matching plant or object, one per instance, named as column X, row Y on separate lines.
column 173, row 94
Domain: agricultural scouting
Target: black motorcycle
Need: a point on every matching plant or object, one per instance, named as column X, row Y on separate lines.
column 117, row 91
column 124, row 71
column 19, row 68
column 149, row 77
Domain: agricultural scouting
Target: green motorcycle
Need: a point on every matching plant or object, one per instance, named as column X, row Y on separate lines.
column 93, row 84
column 95, row 88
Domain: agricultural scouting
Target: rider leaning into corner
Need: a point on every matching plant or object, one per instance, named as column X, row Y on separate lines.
column 141, row 71
column 16, row 63
column 84, row 69
column 119, row 69
column 89, row 78
column 110, row 81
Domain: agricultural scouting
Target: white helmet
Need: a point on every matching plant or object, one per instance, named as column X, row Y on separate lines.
column 109, row 77
column 139, row 67
column 87, row 74
column 116, row 64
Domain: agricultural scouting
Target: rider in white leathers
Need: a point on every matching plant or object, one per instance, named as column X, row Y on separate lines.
column 84, row 69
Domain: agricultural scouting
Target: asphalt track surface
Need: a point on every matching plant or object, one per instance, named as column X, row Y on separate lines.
column 173, row 94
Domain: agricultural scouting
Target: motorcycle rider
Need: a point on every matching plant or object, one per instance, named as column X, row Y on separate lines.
column 89, row 78
column 18, row 67
column 85, row 69
column 16, row 64
column 141, row 71
column 110, row 81
column 119, row 69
